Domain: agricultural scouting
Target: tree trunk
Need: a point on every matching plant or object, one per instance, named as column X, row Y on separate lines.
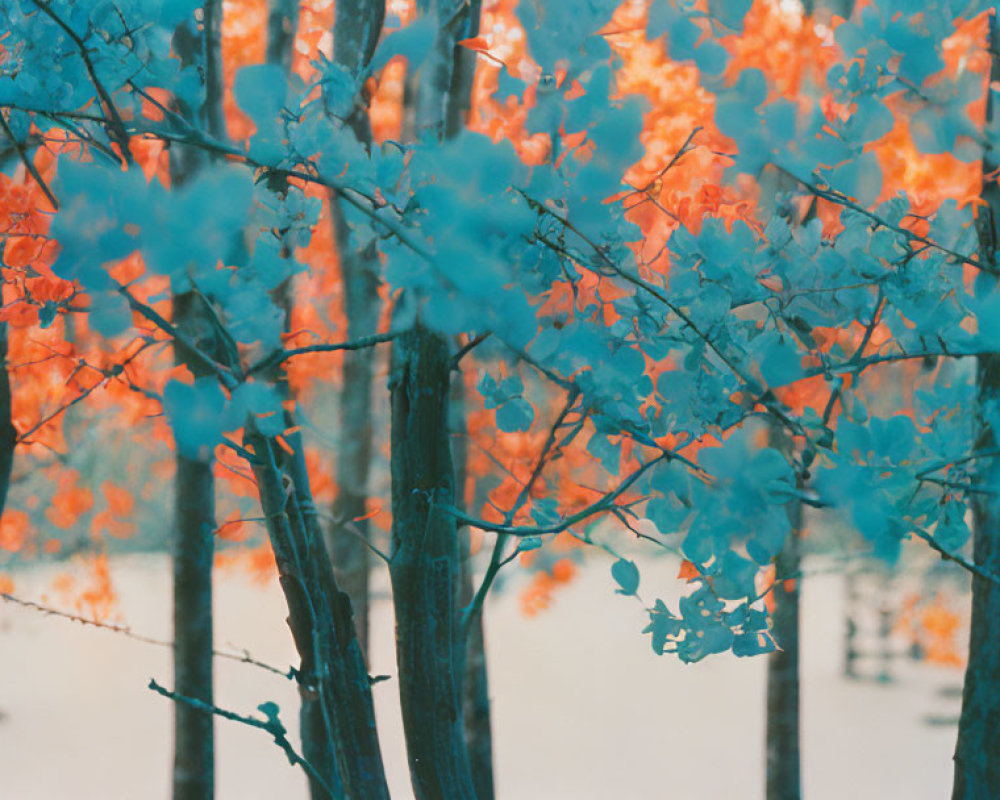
column 425, row 568
column 282, row 24
column 426, row 562
column 977, row 753
column 783, row 761
column 342, row 743
column 194, row 770
column 355, row 34
column 350, row 532
column 475, row 694
column 476, row 691
column 194, row 487
column 8, row 433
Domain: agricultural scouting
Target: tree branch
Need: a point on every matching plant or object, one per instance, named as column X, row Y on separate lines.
column 271, row 724
column 243, row 657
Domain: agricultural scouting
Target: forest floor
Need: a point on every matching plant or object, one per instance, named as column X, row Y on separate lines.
column 582, row 706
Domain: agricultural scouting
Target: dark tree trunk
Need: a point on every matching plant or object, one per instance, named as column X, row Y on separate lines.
column 340, row 739
column 8, row 434
column 425, row 569
column 476, row 691
column 194, row 487
column 194, row 771
column 475, row 694
column 977, row 753
column 426, row 561
column 783, row 761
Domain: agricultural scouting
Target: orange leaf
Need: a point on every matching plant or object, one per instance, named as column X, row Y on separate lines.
column 475, row 43
column 119, row 500
column 688, row 571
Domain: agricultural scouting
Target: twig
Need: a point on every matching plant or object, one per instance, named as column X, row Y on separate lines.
column 271, row 724
column 280, row 356
column 841, row 200
column 465, row 349
column 606, row 503
column 243, row 657
column 116, row 124
column 497, row 561
column 28, row 164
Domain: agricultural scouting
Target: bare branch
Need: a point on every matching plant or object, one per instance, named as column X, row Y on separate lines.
column 271, row 724
column 243, row 657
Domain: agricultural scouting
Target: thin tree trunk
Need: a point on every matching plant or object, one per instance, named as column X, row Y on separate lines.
column 355, row 34
column 282, row 25
column 194, row 487
column 194, row 760
column 315, row 726
column 476, row 697
column 350, row 531
column 475, row 694
column 332, row 671
column 8, row 433
column 783, row 761
column 425, row 568
column 977, row 753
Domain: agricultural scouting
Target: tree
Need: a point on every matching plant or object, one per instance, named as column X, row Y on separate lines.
column 653, row 321
column 976, row 771
column 198, row 47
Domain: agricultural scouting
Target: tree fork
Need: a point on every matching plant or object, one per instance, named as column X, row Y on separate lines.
column 344, row 743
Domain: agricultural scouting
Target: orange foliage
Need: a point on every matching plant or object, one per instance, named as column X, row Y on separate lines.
column 70, row 500
column 538, row 595
column 258, row 562
column 934, row 627
column 15, row 527
column 99, row 597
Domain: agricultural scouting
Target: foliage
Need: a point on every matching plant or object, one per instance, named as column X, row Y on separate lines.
column 595, row 232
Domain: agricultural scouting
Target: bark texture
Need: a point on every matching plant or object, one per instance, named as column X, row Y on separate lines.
column 425, row 569
column 977, row 753
column 194, row 741
column 339, row 735
column 426, row 562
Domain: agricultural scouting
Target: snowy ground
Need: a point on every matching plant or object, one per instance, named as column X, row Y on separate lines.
column 582, row 707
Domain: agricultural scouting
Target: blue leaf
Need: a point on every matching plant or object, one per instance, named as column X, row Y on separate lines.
column 515, row 415
column 196, row 414
column 626, row 575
